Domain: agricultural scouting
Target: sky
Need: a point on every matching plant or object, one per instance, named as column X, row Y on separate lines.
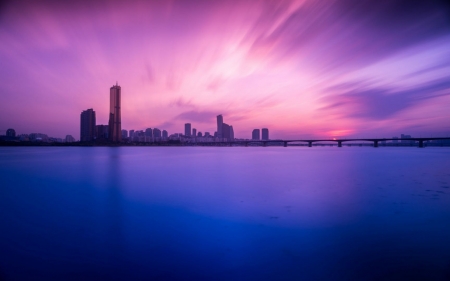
column 303, row 69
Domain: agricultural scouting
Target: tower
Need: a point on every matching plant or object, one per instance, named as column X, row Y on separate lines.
column 187, row 129
column 219, row 126
column 115, row 126
column 87, row 125
column 256, row 135
column 265, row 134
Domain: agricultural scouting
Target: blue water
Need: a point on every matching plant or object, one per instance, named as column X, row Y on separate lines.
column 224, row 213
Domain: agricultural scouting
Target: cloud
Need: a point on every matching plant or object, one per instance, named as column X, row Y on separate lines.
column 377, row 103
column 197, row 116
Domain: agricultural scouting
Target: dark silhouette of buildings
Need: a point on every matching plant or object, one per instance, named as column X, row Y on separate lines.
column 255, row 134
column 115, row 129
column 69, row 138
column 194, row 132
column 87, row 125
column 124, row 134
column 165, row 134
column 219, row 126
column 187, row 129
column 149, row 132
column 102, row 132
column 11, row 133
column 265, row 134
column 156, row 133
column 131, row 135
column 226, row 131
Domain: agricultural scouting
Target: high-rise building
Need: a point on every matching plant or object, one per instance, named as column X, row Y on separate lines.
column 194, row 132
column 102, row 132
column 265, row 134
column 225, row 131
column 187, row 129
column 124, row 134
column 219, row 126
column 255, row 134
column 207, row 134
column 87, row 125
column 11, row 133
column 115, row 127
column 156, row 133
column 165, row 134
column 231, row 133
column 148, row 132
column 131, row 134
column 199, row 134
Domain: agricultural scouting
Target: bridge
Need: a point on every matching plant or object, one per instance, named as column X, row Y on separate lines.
column 311, row 141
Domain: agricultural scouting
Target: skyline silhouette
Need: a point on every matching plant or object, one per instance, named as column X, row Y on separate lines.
column 304, row 69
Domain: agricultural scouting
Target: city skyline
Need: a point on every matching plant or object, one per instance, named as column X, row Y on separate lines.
column 365, row 69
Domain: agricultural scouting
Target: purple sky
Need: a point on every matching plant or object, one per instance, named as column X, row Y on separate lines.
column 301, row 68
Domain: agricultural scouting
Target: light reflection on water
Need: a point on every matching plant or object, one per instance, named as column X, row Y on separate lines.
column 225, row 213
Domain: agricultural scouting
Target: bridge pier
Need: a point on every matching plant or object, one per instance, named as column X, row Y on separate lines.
column 310, row 144
column 285, row 144
column 339, row 144
column 421, row 143
column 375, row 143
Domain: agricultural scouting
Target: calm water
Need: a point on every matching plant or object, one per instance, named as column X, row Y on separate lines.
column 274, row 213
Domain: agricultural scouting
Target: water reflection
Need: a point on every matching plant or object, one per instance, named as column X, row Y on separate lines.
column 225, row 213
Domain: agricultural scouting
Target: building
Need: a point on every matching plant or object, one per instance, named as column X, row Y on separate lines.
column 38, row 137
column 11, row 133
column 194, row 132
column 87, row 125
column 101, row 132
column 199, row 134
column 115, row 127
column 148, row 132
column 156, row 133
column 69, row 138
column 187, row 129
column 131, row 135
column 165, row 134
column 219, row 126
column 265, row 134
column 231, row 133
column 255, row 134
column 225, row 131
column 207, row 134
column 124, row 134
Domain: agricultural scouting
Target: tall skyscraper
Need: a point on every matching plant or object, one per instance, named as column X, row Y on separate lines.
column 148, row 132
column 156, row 133
column 115, row 127
column 219, row 126
column 225, row 131
column 194, row 132
column 87, row 125
column 265, row 134
column 255, row 134
column 187, row 129
column 231, row 133
column 165, row 134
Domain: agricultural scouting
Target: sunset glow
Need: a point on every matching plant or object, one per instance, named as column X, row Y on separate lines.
column 300, row 68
